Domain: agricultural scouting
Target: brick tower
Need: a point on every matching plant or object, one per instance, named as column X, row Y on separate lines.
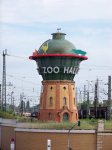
column 58, row 62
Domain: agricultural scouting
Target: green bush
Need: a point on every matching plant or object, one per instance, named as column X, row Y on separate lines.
column 7, row 115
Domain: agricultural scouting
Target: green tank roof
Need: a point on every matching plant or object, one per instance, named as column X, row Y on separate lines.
column 57, row 45
column 58, row 59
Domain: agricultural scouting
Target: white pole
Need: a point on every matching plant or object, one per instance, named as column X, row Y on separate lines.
column 12, row 144
column 48, row 144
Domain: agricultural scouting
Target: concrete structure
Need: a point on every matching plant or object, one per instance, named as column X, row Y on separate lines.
column 58, row 62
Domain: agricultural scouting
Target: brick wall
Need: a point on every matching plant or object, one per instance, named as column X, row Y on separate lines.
column 33, row 139
column 37, row 140
column 7, row 132
column 106, row 141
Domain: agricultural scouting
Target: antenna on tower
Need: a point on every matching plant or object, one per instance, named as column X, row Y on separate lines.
column 58, row 29
column 4, row 81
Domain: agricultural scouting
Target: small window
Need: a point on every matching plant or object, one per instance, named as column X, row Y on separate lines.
column 74, row 101
column 64, row 88
column 64, row 101
column 51, row 88
column 51, row 101
column 76, row 116
column 50, row 116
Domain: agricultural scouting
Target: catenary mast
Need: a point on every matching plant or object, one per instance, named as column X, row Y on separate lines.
column 4, row 82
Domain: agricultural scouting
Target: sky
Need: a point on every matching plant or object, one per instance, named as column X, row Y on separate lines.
column 26, row 24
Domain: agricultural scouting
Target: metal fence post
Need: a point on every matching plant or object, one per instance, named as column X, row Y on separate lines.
column 12, row 144
column 48, row 144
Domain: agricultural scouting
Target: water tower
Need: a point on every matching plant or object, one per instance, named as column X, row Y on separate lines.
column 58, row 62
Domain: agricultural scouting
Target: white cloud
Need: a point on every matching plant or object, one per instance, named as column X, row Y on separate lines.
column 31, row 11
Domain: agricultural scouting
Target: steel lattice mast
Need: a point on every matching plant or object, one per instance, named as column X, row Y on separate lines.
column 109, row 98
column 4, row 82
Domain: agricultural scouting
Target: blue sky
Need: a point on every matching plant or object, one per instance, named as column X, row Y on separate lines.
column 26, row 24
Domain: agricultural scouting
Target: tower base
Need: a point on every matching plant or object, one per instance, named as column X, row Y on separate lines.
column 58, row 101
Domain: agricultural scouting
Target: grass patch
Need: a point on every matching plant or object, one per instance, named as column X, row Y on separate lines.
column 108, row 124
column 88, row 124
column 85, row 125
column 48, row 125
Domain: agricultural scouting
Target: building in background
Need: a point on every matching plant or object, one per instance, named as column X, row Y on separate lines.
column 58, row 62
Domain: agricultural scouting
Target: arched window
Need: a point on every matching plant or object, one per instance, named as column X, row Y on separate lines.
column 76, row 116
column 65, row 117
column 74, row 101
column 50, row 101
column 50, row 116
column 64, row 101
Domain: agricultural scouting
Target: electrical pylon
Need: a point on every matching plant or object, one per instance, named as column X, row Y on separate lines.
column 4, row 81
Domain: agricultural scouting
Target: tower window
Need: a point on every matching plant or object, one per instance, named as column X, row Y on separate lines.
column 51, row 87
column 51, row 101
column 50, row 116
column 64, row 88
column 74, row 102
column 64, row 101
column 76, row 116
